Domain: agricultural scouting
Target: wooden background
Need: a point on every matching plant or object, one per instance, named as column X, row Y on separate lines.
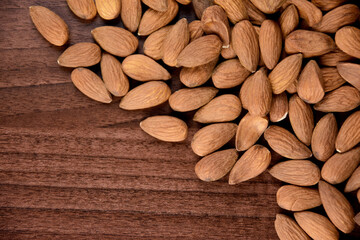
column 72, row 168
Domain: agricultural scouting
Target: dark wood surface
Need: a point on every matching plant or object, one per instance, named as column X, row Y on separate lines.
column 72, row 168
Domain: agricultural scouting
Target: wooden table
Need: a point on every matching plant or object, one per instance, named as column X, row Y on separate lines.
column 72, row 168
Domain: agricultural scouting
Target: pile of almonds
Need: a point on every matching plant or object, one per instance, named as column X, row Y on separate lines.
column 292, row 57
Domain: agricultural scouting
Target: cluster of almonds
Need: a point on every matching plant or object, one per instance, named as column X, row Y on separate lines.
column 267, row 57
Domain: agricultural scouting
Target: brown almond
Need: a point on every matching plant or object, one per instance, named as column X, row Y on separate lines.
column 108, row 9
column 154, row 43
column 308, row 11
column 316, row 226
column 131, row 14
column 349, row 133
column 176, row 39
column 90, row 84
column 245, row 43
column 200, row 6
column 285, row 73
column 228, row 53
column 310, row 85
column 255, row 15
column 216, row 165
column 292, row 88
column 196, row 76
column 348, row 40
column 286, row 229
column 224, row 108
column 195, row 30
column 323, row 137
column 143, row 68
column 251, row 164
column 279, row 107
column 295, row 198
column 285, row 143
column 268, row 7
column 147, row 95
column 84, row 9
column 332, row 58
column 337, row 207
column 80, row 55
column 249, row 131
column 200, row 51
column 50, row 25
column 289, row 20
column 235, row 10
column 229, row 74
column 343, row 99
column 115, row 40
column 256, row 94
column 165, row 128
column 353, row 182
column 212, row 137
column 327, row 5
column 114, row 78
column 184, row 2
column 153, row 20
column 270, row 42
column 331, row 78
column 350, row 72
column 157, row 5
column 357, row 217
column 188, row 99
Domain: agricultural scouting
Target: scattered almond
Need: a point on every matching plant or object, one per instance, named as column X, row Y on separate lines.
column 349, row 133
column 353, row 182
column 331, row 59
column 84, row 9
column 131, row 14
column 255, row 15
column 348, row 40
column 270, row 42
column 195, row 30
column 80, row 55
column 229, row 74
column 279, row 107
column 327, row 5
column 157, row 5
column 268, row 7
column 308, row 11
column 310, row 85
column 196, row 76
column 295, row 198
column 350, row 72
column 331, row 78
column 289, row 20
column 108, row 9
column 228, row 53
column 286, row 229
column 200, row 6
column 154, row 43
column 235, row 10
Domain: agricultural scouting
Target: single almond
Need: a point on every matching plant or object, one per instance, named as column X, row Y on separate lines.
column 292, row 88
column 343, row 99
column 200, row 51
column 50, row 25
column 279, row 107
column 327, row 5
column 348, row 40
column 228, row 53
column 289, row 20
column 157, row 5
column 350, row 72
column 270, row 42
column 316, row 226
column 224, row 108
column 165, row 128
column 143, row 68
column 310, row 85
column 108, row 9
column 90, row 84
column 331, row 78
column 229, row 74
column 195, row 30
column 115, row 40
column 154, row 43
column 337, row 207
column 216, row 165
column 131, row 14
column 212, row 137
column 249, row 131
column 114, row 78
column 188, row 99
column 295, row 198
column 80, row 55
column 153, row 20
column 331, row 59
column 349, row 133
column 200, row 6
column 235, row 10
column 286, row 229
column 308, row 11
column 268, row 7
column 285, row 143
column 147, row 95
column 255, row 15
column 196, row 76
column 84, row 9
column 285, row 73
column 354, row 181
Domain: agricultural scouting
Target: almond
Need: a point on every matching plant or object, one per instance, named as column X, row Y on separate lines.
column 337, row 207
column 327, row 5
column 90, row 84
column 153, row 20
column 80, row 55
column 348, row 40
column 331, row 79
column 200, row 6
column 165, row 128
column 196, row 76
column 332, row 58
column 195, row 30
column 357, row 217
column 108, row 9
column 224, row 108
column 308, row 11
column 245, row 43
column 286, row 229
column 292, row 88
column 268, row 7
column 255, row 15
column 229, row 74
column 285, row 73
column 343, row 99
column 114, row 78
column 316, row 226
column 216, row 165
column 249, row 131
column 270, row 42
column 84, row 9
column 115, row 40
column 228, row 53
column 50, row 25
column 188, row 99
column 349, row 134
column 289, row 20
column 200, row 51
column 235, row 10
column 279, row 107
column 256, row 93
column 310, row 85
column 354, row 181
column 131, row 14
column 294, row 198
column 212, row 137
column 157, row 5
column 184, row 2
column 350, row 72
column 285, row 143
column 154, row 43
column 147, row 95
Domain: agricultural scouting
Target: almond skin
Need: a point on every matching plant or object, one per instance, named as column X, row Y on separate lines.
column 80, row 55
column 348, row 40
column 154, row 43
column 212, row 137
column 184, row 2
column 157, row 5
column 337, row 207
column 331, row 79
column 279, row 107
column 165, row 128
column 131, row 14
column 84, row 9
column 327, row 5
column 331, row 59
column 216, row 165
column 147, row 95
column 143, row 68
column 228, row 53
column 196, row 76
column 268, row 7
column 90, row 84
column 286, row 144
column 349, row 134
column 200, row 6
column 286, row 228
column 195, row 29
column 235, row 10
column 354, row 181
column 350, row 72
column 108, row 9
column 229, row 74
column 115, row 40
column 50, row 25
column 188, row 99
column 310, row 85
column 294, row 198
column 289, row 20
column 255, row 15
column 270, row 42
column 308, row 11
column 224, row 108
